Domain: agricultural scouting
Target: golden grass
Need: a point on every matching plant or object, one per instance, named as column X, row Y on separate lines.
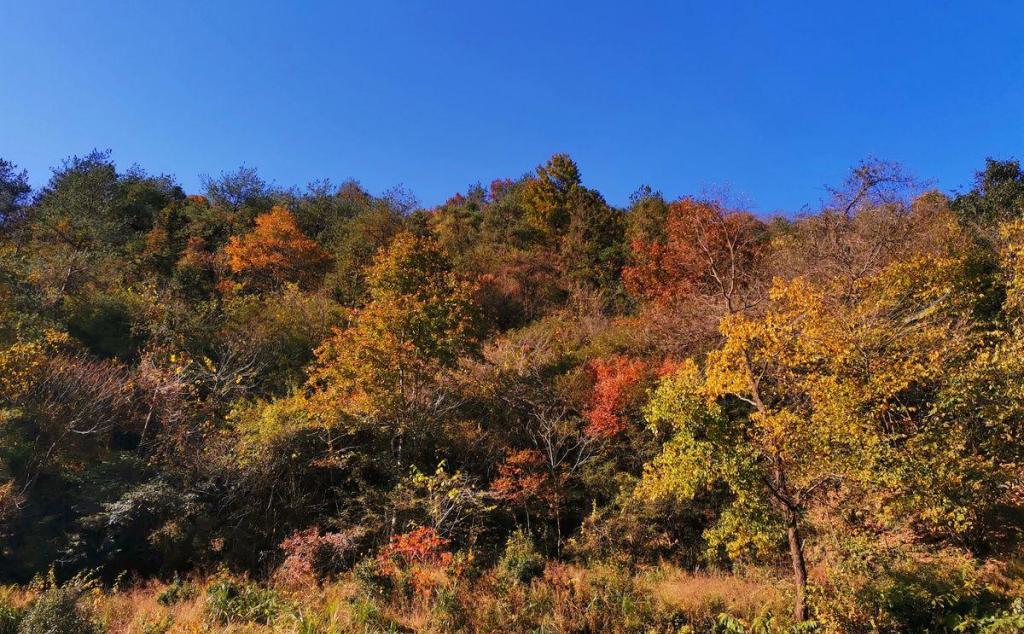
column 704, row 595
column 601, row 598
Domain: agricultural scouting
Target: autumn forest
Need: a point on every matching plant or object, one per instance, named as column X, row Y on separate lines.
column 254, row 408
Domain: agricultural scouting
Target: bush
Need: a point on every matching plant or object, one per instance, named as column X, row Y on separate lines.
column 446, row 611
column 1006, row 621
column 176, row 591
column 11, row 616
column 104, row 324
column 58, row 609
column 899, row 591
column 161, row 625
column 521, row 562
column 371, row 580
column 232, row 601
column 310, row 556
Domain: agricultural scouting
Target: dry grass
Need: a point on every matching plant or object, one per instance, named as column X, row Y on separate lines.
column 703, row 595
column 568, row 597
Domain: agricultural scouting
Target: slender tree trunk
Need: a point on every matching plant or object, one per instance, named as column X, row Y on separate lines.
column 558, row 530
column 796, row 552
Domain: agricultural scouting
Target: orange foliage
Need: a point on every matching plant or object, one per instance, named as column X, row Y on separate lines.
column 618, row 386
column 708, row 250
column 277, row 251
column 420, row 546
column 523, row 477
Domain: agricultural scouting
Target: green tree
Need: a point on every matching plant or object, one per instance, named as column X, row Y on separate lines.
column 14, row 190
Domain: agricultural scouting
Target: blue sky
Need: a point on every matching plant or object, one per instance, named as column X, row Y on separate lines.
column 770, row 99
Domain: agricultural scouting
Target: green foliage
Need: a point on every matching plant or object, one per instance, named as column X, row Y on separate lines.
column 370, row 580
column 520, row 563
column 59, row 609
column 11, row 616
column 160, row 625
column 106, row 324
column 1003, row 622
column 230, row 600
column 281, row 330
column 997, row 196
column 285, row 381
column 176, row 591
column 14, row 190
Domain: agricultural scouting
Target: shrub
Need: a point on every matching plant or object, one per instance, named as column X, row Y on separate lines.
column 160, row 625
column 415, row 562
column 446, row 611
column 11, row 616
column 419, row 546
column 104, row 323
column 370, row 579
column 58, row 609
column 176, row 592
column 310, row 556
column 901, row 592
column 1004, row 622
column 521, row 562
column 232, row 601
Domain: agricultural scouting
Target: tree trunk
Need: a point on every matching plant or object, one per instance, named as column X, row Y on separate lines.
column 796, row 552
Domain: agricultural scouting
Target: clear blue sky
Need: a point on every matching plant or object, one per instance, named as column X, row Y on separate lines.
column 772, row 99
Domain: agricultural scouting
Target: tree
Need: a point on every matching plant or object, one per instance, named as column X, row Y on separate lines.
column 618, row 385
column 523, row 478
column 385, row 367
column 817, row 395
column 551, row 196
column 242, row 193
column 869, row 221
column 709, row 261
column 277, row 252
column 995, row 201
column 709, row 252
column 356, row 242
column 14, row 190
column 587, row 232
column 592, row 251
column 646, row 216
column 997, row 196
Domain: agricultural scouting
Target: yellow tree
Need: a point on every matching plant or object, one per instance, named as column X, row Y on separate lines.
column 817, row 395
column 384, row 368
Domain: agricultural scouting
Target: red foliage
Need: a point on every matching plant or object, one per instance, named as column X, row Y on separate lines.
column 523, row 477
column 422, row 546
column 455, row 200
column 310, row 556
column 500, row 187
column 667, row 367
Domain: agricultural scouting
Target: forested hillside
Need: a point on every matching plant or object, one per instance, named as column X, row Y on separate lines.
column 251, row 408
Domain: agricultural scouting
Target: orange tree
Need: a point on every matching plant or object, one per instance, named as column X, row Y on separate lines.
column 276, row 252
